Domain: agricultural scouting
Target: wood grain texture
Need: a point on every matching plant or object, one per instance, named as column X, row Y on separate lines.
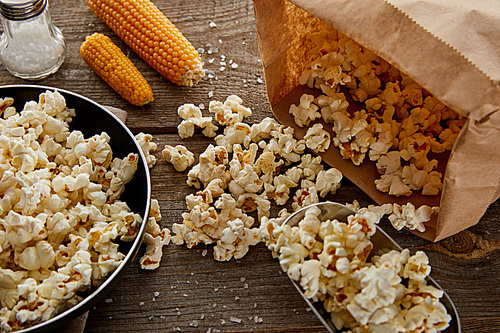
column 196, row 293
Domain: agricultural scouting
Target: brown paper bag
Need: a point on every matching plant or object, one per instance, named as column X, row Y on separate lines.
column 462, row 74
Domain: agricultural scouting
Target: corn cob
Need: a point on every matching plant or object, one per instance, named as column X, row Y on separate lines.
column 109, row 62
column 144, row 28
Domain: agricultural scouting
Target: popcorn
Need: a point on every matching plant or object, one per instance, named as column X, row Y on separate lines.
column 242, row 173
column 397, row 116
column 406, row 216
column 305, row 197
column 231, row 112
column 250, row 202
column 5, row 103
column 264, row 129
column 389, row 163
column 180, row 157
column 193, row 119
column 285, row 145
column 212, row 166
column 311, row 166
column 246, row 180
column 267, row 165
column 309, row 273
column 379, row 287
column 328, row 181
column 393, row 184
column 330, row 104
column 60, row 212
column 235, row 241
column 305, row 112
column 147, row 146
column 280, row 190
column 291, row 253
column 309, row 227
column 154, row 239
column 317, row 139
column 387, row 294
column 417, row 268
column 235, row 134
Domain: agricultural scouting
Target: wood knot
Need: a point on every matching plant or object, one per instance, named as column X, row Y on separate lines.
column 464, row 242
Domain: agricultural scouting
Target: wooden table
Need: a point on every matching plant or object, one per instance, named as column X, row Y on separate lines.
column 194, row 292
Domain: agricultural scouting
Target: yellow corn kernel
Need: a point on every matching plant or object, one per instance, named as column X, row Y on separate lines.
column 144, row 28
column 109, row 62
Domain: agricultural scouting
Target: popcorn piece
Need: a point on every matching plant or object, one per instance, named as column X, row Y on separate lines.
column 215, row 188
column 389, row 163
column 393, row 184
column 328, row 181
column 311, row 166
column 417, row 267
column 309, row 227
column 147, row 146
column 285, row 145
column 154, row 239
column 309, row 273
column 188, row 111
column 305, row 197
column 379, row 287
column 263, row 129
column 291, row 252
column 305, row 112
column 180, row 157
column 250, row 202
column 317, row 139
column 280, row 191
column 433, row 185
column 267, row 166
column 246, row 180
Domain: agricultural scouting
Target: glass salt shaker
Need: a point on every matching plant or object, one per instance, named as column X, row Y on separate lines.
column 31, row 47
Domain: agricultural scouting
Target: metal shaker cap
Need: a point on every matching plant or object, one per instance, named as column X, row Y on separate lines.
column 18, row 10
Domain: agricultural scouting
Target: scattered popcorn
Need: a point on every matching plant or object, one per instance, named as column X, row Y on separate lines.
column 60, row 212
column 180, row 157
column 212, row 165
column 242, row 174
column 387, row 294
column 249, row 168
